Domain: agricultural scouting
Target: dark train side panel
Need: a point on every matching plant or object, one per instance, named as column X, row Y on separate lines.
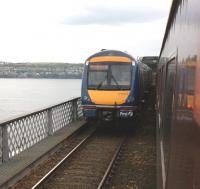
column 178, row 99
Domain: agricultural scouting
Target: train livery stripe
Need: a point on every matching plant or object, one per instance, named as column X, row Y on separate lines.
column 110, row 59
column 108, row 97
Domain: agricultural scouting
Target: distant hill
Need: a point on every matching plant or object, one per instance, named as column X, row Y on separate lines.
column 41, row 70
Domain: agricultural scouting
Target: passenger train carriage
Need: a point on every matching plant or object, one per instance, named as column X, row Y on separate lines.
column 178, row 99
column 112, row 85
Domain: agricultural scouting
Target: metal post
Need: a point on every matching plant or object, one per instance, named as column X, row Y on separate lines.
column 5, row 147
column 49, row 122
column 75, row 116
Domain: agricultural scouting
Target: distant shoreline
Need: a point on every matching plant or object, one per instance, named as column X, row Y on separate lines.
column 35, row 78
column 41, row 70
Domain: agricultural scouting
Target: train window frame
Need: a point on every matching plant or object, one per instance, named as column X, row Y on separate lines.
column 109, row 67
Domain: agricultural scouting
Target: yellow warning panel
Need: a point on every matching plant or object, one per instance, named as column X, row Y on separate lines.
column 108, row 97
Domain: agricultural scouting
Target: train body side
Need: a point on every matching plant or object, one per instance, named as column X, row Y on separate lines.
column 178, row 99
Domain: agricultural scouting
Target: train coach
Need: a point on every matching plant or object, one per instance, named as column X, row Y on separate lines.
column 178, row 99
column 112, row 85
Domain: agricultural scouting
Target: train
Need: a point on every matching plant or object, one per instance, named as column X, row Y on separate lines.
column 178, row 99
column 152, row 62
column 113, row 85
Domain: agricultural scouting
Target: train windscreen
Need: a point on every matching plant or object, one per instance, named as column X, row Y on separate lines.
column 109, row 76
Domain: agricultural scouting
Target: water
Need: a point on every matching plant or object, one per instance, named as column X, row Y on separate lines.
column 21, row 96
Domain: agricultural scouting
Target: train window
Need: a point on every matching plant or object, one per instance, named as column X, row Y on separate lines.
column 99, row 67
column 168, row 107
column 95, row 77
column 122, row 74
column 109, row 76
column 190, row 79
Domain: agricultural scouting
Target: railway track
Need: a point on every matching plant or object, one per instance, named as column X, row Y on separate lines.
column 88, row 165
column 56, row 156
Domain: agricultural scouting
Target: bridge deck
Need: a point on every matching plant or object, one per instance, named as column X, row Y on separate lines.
column 29, row 157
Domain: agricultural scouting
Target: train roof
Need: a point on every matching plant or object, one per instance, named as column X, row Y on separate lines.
column 171, row 18
column 111, row 53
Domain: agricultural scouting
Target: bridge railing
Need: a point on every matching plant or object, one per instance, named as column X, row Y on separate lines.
column 21, row 133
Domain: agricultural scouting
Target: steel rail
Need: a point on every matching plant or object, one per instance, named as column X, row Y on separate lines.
column 41, row 181
column 109, row 168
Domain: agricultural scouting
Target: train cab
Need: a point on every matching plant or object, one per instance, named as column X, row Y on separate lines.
column 110, row 85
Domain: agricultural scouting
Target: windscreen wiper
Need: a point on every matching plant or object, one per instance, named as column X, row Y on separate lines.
column 117, row 84
column 99, row 86
column 101, row 83
column 114, row 80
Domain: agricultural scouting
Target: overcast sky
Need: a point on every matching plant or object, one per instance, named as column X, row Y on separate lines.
column 72, row 30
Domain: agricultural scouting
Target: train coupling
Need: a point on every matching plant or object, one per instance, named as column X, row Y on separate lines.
column 107, row 115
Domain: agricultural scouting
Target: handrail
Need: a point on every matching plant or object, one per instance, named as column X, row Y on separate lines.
column 19, row 134
column 3, row 122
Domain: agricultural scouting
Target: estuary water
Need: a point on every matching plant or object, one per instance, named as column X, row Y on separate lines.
column 21, row 96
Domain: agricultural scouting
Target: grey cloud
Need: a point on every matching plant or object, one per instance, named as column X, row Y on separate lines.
column 116, row 16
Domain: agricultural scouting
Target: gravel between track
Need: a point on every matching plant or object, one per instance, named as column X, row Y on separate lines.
column 136, row 168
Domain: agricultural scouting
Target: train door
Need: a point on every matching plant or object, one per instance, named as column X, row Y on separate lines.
column 161, row 178
column 159, row 103
column 159, row 95
column 168, row 105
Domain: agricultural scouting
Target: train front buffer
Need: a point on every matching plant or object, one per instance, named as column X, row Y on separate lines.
column 108, row 113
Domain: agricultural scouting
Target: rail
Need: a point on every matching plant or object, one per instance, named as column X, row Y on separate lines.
column 42, row 181
column 21, row 133
column 111, row 165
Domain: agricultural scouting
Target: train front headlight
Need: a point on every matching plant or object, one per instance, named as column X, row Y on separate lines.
column 133, row 63
column 131, row 99
column 86, row 98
